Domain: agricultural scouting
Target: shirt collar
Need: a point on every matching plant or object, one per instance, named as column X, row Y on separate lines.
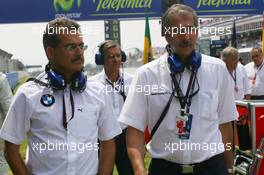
column 106, row 78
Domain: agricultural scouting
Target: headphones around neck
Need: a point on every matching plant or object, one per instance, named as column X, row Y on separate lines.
column 99, row 56
column 177, row 66
column 57, row 82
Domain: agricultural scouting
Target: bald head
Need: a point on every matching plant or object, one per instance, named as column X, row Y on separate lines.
column 256, row 56
column 230, row 56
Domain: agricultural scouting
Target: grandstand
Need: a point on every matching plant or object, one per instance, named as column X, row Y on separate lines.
column 248, row 30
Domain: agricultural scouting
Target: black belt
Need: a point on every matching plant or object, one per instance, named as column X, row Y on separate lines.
column 123, row 134
column 191, row 168
column 257, row 97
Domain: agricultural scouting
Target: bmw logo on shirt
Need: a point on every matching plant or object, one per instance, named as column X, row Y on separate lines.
column 47, row 100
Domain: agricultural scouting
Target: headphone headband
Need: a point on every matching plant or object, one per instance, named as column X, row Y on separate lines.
column 100, row 46
column 99, row 56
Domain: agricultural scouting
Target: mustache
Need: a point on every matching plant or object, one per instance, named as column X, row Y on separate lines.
column 185, row 44
column 78, row 58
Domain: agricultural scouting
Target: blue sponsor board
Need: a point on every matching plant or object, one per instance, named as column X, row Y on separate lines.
column 226, row 7
column 15, row 11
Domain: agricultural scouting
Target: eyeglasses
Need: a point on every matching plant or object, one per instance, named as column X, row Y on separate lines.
column 73, row 47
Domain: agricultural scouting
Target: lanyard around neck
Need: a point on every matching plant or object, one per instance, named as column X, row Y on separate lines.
column 256, row 72
column 64, row 115
column 187, row 98
column 120, row 91
column 260, row 67
column 177, row 88
column 234, row 77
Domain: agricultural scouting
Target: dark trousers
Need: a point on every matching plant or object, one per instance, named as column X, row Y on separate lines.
column 122, row 161
column 213, row 166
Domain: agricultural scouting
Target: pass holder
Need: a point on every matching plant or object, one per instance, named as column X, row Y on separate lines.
column 183, row 116
column 184, row 125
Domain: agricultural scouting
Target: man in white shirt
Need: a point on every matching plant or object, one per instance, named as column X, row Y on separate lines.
column 237, row 72
column 117, row 84
column 193, row 102
column 5, row 100
column 255, row 72
column 62, row 115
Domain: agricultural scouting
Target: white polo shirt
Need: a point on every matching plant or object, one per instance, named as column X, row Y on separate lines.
column 52, row 149
column 213, row 105
column 258, row 87
column 5, row 100
column 243, row 86
column 116, row 98
column 5, row 97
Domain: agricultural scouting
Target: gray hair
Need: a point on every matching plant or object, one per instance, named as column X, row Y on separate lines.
column 229, row 53
column 106, row 45
column 256, row 48
column 178, row 10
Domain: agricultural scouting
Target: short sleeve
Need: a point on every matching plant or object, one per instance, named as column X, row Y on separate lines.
column 134, row 112
column 17, row 122
column 107, row 124
column 5, row 94
column 261, row 73
column 246, row 82
column 227, row 107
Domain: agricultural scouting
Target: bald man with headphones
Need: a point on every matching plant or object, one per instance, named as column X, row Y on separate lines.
column 117, row 83
column 61, row 114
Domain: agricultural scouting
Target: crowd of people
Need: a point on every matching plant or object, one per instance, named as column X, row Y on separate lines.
column 85, row 126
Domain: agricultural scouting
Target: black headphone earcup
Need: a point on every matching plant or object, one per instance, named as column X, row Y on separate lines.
column 99, row 57
column 99, row 60
column 123, row 56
